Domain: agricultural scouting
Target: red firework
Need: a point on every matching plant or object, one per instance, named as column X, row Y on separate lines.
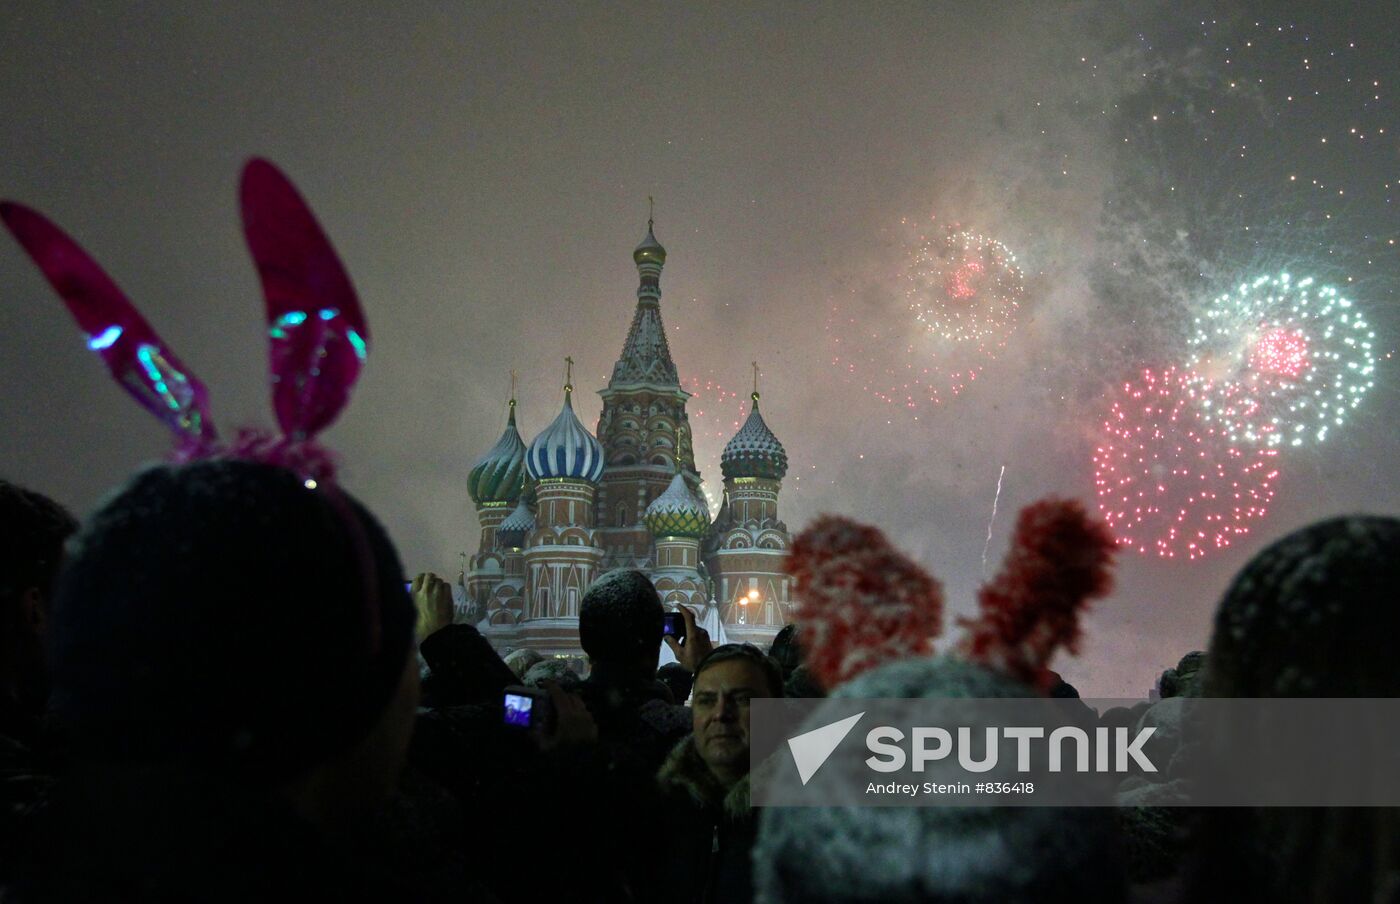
column 1171, row 482
column 715, row 414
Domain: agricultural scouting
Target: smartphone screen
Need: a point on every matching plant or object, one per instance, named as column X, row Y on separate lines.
column 408, row 585
column 518, row 710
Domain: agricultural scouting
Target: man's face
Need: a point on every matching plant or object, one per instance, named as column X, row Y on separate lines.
column 720, row 706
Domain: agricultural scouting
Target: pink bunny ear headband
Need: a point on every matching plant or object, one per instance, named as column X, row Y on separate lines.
column 317, row 335
column 864, row 603
column 317, row 332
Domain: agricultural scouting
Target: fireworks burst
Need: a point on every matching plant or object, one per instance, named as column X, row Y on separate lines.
column 965, row 288
column 715, row 414
column 1169, row 480
column 1280, row 361
column 964, row 292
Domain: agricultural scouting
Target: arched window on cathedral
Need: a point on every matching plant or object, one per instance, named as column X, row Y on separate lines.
column 622, row 515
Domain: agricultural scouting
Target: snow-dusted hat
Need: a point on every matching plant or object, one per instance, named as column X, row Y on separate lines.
column 870, row 617
column 620, row 617
column 1312, row 615
column 935, row 854
column 865, row 603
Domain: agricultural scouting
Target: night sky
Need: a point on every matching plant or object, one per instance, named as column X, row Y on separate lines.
column 484, row 172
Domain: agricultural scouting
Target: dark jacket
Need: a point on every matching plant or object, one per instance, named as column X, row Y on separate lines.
column 636, row 724
column 707, row 833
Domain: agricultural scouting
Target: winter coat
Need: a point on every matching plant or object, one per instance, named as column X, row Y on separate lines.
column 636, row 724
column 706, row 833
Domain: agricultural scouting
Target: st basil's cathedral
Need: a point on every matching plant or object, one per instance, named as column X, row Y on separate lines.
column 559, row 512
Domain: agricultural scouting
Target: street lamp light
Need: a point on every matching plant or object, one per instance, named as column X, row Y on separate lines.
column 751, row 597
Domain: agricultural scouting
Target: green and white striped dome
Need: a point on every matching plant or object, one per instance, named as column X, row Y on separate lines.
column 499, row 475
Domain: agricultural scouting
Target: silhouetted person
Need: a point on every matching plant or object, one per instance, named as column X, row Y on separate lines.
column 619, row 627
column 35, row 528
column 1313, row 615
column 232, row 656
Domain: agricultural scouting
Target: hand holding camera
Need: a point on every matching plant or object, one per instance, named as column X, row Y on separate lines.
column 433, row 598
column 693, row 645
column 554, row 717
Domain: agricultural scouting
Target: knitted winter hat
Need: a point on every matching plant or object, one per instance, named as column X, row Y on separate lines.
column 555, row 670
column 907, row 854
column 1313, row 615
column 864, row 603
column 620, row 620
column 521, row 660
column 211, row 614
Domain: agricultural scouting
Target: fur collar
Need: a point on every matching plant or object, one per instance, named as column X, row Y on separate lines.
column 684, row 771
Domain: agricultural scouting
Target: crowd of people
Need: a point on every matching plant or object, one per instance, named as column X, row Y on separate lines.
column 219, row 687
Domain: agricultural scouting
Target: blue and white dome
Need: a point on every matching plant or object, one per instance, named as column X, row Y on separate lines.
column 565, row 449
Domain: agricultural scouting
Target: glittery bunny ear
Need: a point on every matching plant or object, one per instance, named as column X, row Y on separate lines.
column 318, row 334
column 140, row 361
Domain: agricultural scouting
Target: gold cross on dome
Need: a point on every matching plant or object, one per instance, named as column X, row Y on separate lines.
column 568, row 374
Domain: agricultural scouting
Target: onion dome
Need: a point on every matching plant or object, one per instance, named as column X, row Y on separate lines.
column 650, row 250
column 516, row 527
column 754, row 451
column 498, row 475
column 565, row 449
column 676, row 512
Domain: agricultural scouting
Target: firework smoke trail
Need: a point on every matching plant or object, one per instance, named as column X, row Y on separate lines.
column 992, row 520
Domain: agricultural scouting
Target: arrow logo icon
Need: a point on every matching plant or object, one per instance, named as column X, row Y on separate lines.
column 811, row 749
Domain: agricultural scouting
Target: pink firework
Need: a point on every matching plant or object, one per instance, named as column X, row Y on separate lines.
column 964, row 288
column 921, row 332
column 1280, row 351
column 715, row 414
column 1171, row 482
column 900, row 366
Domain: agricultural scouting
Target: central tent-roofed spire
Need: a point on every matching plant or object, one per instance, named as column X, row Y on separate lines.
column 646, row 356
